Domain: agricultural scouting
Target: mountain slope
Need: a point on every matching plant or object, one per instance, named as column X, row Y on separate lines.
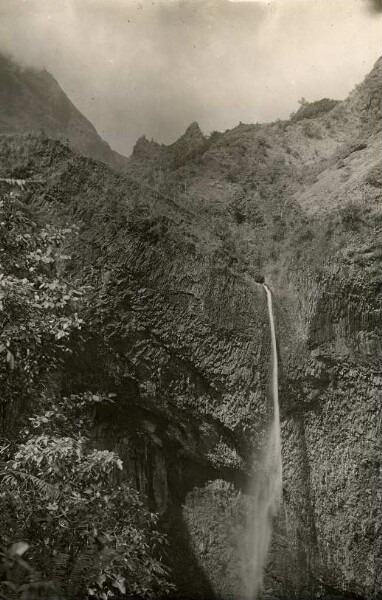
column 279, row 159
column 32, row 100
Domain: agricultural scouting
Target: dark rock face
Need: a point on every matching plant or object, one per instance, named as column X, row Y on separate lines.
column 331, row 437
column 176, row 249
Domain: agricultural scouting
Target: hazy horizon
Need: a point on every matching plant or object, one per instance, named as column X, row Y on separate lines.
column 151, row 68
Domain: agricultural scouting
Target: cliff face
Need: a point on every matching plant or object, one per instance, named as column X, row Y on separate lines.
column 306, row 197
column 331, row 358
column 178, row 335
column 174, row 248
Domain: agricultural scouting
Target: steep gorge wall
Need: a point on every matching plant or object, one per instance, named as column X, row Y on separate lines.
column 327, row 287
column 192, row 374
column 181, row 336
column 330, row 526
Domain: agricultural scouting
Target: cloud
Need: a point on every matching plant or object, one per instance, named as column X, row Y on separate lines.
column 152, row 67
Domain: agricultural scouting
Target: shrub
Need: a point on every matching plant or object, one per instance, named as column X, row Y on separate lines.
column 38, row 306
column 312, row 110
column 351, row 217
column 88, row 532
column 311, row 130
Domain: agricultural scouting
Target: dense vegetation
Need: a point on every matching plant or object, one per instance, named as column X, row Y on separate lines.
column 71, row 526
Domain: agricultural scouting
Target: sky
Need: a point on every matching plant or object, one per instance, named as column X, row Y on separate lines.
column 144, row 67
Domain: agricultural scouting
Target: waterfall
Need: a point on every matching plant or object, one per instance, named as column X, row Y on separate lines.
column 275, row 384
column 266, row 493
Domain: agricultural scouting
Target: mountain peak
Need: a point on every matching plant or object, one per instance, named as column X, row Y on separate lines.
column 193, row 132
column 31, row 100
column 144, row 147
column 188, row 144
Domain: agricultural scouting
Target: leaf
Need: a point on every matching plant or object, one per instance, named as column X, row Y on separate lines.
column 45, row 488
column 101, row 580
column 10, row 359
column 18, row 549
column 119, row 584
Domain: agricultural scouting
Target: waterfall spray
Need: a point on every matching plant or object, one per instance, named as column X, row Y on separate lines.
column 267, row 485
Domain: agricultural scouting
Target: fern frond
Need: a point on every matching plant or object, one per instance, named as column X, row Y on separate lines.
column 84, row 571
column 46, row 489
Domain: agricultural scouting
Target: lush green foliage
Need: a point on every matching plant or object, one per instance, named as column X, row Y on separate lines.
column 63, row 502
column 89, row 532
column 37, row 304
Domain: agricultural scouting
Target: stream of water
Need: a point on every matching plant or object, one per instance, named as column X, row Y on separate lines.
column 266, row 493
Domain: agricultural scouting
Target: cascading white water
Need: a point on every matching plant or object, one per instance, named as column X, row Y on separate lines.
column 266, row 494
